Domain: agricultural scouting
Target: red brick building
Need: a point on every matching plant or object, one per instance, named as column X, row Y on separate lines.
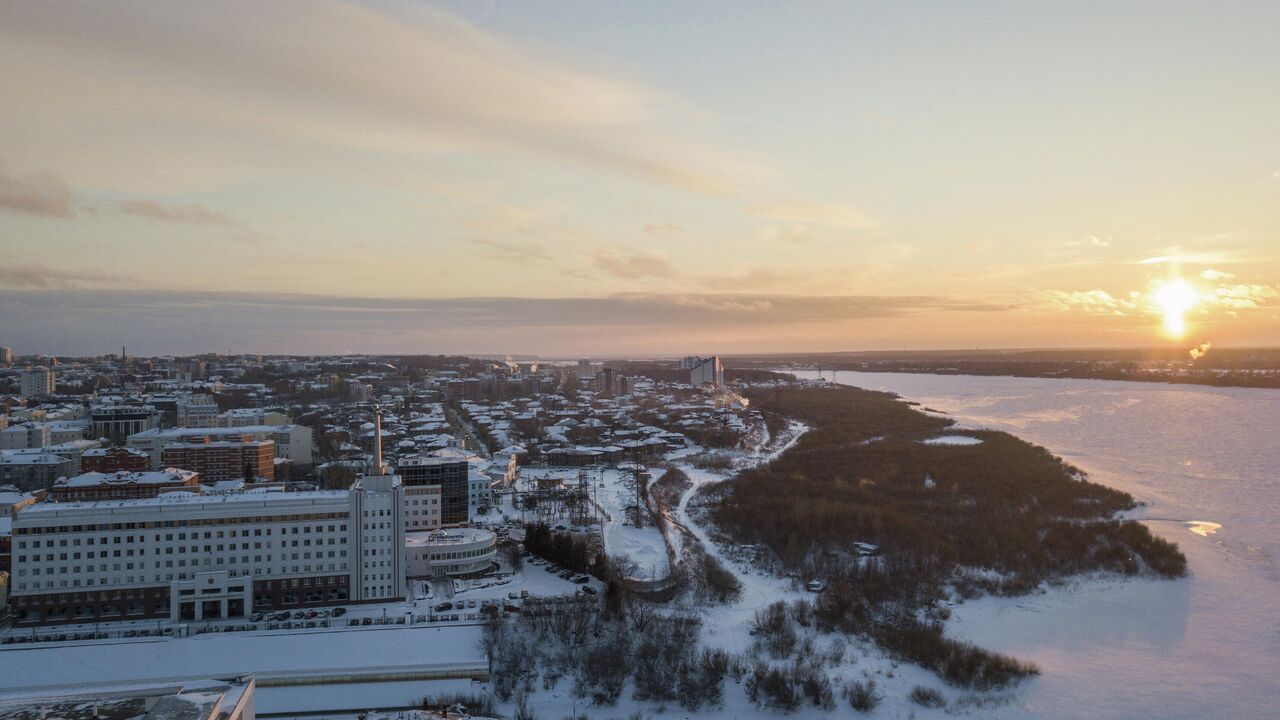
column 94, row 486
column 224, row 459
column 114, row 459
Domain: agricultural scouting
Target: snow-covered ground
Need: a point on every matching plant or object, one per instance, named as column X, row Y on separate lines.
column 643, row 546
column 1203, row 460
column 953, row 440
column 367, row 651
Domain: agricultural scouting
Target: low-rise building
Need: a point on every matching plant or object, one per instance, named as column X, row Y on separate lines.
column 451, row 553
column 33, row 469
column 123, row 485
column 114, row 459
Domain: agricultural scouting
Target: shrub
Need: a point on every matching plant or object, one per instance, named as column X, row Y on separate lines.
column 927, row 697
column 862, row 695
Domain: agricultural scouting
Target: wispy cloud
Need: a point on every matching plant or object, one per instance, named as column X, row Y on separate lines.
column 389, row 78
column 790, row 234
column 628, row 265
column 664, row 229
column 189, row 214
column 44, row 277
column 193, row 214
column 513, row 252
column 41, row 193
column 806, row 213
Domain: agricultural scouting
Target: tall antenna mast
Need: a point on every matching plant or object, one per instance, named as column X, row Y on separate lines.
column 377, row 438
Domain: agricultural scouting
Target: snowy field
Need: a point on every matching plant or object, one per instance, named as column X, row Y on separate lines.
column 1204, row 461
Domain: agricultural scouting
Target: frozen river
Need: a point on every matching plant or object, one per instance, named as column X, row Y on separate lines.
column 1206, row 461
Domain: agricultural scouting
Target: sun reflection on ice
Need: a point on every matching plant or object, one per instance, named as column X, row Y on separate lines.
column 1203, row 528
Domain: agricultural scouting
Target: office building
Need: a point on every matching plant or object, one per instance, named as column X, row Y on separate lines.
column 451, row 475
column 190, row 557
column 116, row 423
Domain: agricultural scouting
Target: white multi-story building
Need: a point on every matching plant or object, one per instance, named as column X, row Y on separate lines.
column 479, row 493
column 705, row 371
column 421, row 508
column 36, row 382
column 191, row 557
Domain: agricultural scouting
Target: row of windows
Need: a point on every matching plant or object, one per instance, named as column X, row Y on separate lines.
column 256, row 532
column 166, row 577
column 189, row 522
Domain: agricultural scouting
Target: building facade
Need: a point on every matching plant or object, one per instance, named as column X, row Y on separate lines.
column 117, row 422
column 194, row 557
column 114, row 459
column 224, row 459
column 705, row 371
column 36, row 382
column 452, row 475
column 292, row 442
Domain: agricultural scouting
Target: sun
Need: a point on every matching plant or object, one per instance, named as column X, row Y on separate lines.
column 1174, row 298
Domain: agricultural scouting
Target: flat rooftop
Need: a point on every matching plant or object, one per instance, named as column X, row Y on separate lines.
column 196, row 700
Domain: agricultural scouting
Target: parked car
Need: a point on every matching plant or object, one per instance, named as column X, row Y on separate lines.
column 311, row 615
column 588, row 590
column 353, row 621
column 582, row 579
column 442, row 607
column 367, row 621
column 471, row 603
column 339, row 612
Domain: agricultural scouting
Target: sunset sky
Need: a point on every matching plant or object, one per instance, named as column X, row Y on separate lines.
column 615, row 178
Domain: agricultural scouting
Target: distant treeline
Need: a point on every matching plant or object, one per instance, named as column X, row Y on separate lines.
column 1230, row 367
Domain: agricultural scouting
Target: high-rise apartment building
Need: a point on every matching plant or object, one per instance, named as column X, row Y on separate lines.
column 36, row 382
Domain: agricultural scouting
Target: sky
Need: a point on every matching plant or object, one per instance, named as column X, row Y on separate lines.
column 611, row 178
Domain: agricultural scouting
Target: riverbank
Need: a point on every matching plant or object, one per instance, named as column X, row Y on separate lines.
column 1201, row 462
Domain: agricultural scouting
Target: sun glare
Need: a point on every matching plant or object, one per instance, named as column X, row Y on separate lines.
column 1174, row 298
